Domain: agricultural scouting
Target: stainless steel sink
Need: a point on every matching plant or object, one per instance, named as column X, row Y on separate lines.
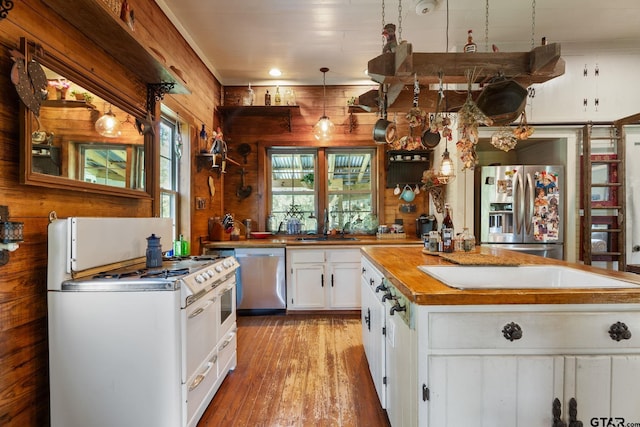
column 325, row 238
column 522, row 277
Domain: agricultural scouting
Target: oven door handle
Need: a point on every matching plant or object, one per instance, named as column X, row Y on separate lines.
column 198, row 380
column 227, row 341
column 202, row 309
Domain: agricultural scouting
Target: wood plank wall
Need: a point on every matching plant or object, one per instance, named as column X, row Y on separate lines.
column 24, row 394
column 352, row 130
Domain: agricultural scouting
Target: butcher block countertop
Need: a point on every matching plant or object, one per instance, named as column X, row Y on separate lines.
column 399, row 265
column 292, row 241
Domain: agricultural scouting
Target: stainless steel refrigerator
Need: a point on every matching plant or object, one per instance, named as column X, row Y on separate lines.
column 522, row 208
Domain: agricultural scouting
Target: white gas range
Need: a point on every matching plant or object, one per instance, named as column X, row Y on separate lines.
column 130, row 345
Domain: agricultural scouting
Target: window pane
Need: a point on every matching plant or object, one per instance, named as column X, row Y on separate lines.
column 293, row 183
column 351, row 190
column 104, row 165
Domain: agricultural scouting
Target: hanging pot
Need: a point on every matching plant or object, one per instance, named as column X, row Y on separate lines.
column 502, row 101
column 384, row 131
column 431, row 136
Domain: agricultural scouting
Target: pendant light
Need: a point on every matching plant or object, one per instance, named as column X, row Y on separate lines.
column 323, row 130
column 108, row 125
column 446, row 174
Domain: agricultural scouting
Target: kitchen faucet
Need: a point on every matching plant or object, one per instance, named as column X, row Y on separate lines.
column 325, row 226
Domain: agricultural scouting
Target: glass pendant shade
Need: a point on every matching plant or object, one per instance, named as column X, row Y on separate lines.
column 108, row 125
column 446, row 173
column 323, row 130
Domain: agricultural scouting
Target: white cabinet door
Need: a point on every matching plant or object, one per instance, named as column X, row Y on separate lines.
column 605, row 387
column 307, row 286
column 401, row 380
column 373, row 323
column 493, row 391
column 344, row 285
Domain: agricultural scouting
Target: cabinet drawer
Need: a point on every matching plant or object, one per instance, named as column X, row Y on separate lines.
column 343, row 255
column 540, row 330
column 302, row 255
column 370, row 274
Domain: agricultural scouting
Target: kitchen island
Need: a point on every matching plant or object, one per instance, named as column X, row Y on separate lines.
column 442, row 356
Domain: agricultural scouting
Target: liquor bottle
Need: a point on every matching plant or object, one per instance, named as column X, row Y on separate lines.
column 278, row 100
column 447, row 222
column 203, row 140
column 267, row 98
column 470, row 46
column 447, row 231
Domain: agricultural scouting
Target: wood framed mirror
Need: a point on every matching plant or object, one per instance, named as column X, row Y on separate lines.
column 61, row 147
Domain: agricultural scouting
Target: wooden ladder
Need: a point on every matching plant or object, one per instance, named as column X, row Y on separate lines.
column 603, row 215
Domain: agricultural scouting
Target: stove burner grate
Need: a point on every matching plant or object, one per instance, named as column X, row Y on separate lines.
column 165, row 273
column 116, row 276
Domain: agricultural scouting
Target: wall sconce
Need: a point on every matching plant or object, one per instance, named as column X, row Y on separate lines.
column 108, row 125
column 11, row 233
column 323, row 130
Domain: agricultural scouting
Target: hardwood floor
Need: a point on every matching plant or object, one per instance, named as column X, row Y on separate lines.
column 298, row 370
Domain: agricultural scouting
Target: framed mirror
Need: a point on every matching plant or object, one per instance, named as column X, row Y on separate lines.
column 84, row 137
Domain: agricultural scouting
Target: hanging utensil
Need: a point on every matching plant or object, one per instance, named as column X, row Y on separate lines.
column 431, row 136
column 243, row 191
column 384, row 131
column 212, row 188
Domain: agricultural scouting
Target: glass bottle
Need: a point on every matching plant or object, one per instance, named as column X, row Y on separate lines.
column 469, row 240
column 267, row 98
column 248, row 97
column 470, row 46
column 203, row 140
column 278, row 100
column 447, row 222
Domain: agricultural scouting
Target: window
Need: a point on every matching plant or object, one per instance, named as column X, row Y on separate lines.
column 350, row 190
column 344, row 187
column 117, row 165
column 169, row 171
column 293, row 183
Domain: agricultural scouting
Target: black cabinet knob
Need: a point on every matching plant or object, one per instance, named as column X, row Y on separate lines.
column 619, row 331
column 512, row 331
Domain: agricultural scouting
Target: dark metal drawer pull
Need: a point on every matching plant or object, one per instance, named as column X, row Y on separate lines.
column 619, row 331
column 512, row 331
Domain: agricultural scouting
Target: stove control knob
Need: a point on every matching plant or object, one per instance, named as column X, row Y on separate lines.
column 210, row 273
column 219, row 268
column 205, row 275
column 200, row 278
column 227, row 263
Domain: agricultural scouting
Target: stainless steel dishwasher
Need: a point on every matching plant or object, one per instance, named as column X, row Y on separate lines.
column 262, row 284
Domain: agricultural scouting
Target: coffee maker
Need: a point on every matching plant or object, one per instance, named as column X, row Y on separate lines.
column 424, row 224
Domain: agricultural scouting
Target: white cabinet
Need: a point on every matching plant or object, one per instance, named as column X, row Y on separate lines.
column 323, row 279
column 373, row 326
column 390, row 346
column 595, row 87
column 505, row 365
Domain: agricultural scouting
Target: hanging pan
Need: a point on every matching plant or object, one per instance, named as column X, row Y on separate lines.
column 431, row 136
column 384, row 131
column 502, row 101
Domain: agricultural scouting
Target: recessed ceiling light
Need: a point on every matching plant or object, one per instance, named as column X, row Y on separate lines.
column 274, row 72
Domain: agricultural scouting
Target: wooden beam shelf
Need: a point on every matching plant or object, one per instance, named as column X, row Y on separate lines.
column 541, row 64
column 96, row 20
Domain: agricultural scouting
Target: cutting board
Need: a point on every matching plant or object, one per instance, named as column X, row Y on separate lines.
column 467, row 258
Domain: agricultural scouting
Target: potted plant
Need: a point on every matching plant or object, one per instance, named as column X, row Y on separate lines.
column 82, row 96
column 307, row 180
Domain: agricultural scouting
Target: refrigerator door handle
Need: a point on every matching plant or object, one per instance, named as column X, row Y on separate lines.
column 518, row 197
column 528, row 212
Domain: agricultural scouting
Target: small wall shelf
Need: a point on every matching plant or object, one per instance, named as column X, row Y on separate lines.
column 406, row 166
column 229, row 113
